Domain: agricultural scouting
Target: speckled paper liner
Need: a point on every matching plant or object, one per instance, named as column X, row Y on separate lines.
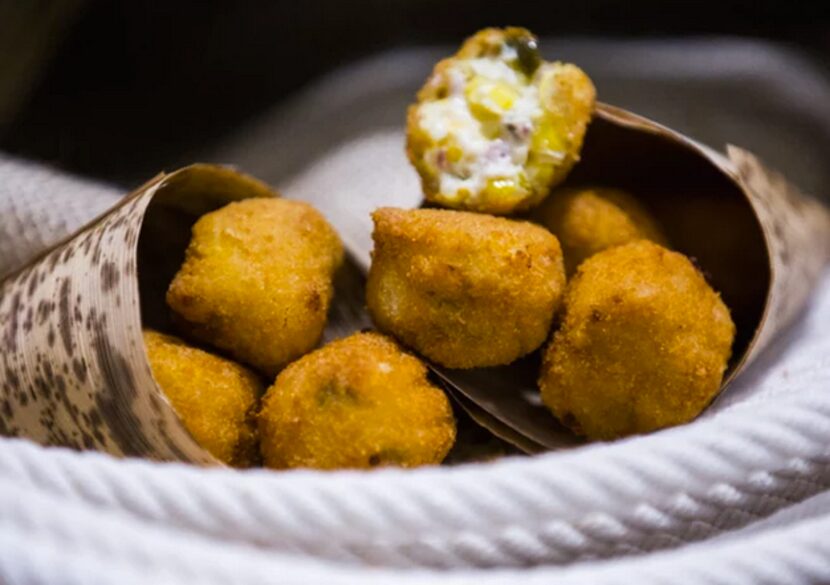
column 797, row 230
column 74, row 368
column 761, row 243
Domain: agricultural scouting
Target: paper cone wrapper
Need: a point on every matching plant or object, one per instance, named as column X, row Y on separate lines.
column 760, row 242
column 74, row 368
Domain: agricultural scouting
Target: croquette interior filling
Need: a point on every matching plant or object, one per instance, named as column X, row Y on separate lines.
column 485, row 128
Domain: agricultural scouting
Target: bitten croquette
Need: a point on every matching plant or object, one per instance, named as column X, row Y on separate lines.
column 358, row 402
column 463, row 289
column 643, row 345
column 257, row 281
column 495, row 126
column 215, row 398
column 592, row 219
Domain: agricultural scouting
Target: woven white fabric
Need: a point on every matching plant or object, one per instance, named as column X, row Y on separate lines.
column 748, row 481
column 40, row 206
column 81, row 518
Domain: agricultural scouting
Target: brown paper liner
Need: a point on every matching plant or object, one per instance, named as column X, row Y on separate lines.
column 797, row 232
column 759, row 241
column 75, row 372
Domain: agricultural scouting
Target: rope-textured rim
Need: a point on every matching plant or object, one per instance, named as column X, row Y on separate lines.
column 52, row 540
column 600, row 501
column 634, row 496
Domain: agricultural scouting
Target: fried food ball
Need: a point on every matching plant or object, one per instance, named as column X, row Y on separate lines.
column 591, row 219
column 358, row 402
column 463, row 289
column 495, row 126
column 643, row 345
column 215, row 398
column 257, row 280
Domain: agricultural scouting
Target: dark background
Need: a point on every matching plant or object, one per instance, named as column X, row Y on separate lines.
column 114, row 89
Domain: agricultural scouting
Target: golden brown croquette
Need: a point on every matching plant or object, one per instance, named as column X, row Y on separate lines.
column 643, row 345
column 591, row 219
column 257, row 280
column 215, row 398
column 463, row 289
column 358, row 402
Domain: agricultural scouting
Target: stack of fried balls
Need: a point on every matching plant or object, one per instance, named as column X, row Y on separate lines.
column 637, row 340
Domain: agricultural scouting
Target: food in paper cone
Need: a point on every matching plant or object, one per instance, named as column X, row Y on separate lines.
column 644, row 343
column 495, row 126
column 588, row 220
column 358, row 402
column 216, row 398
column 257, row 281
column 633, row 182
column 464, row 289
column 77, row 372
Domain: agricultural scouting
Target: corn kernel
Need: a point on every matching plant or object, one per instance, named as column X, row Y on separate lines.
column 488, row 98
column 454, row 153
column 501, row 189
column 548, row 141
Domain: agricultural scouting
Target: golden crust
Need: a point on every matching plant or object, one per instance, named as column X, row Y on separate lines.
column 358, row 402
column 257, row 280
column 216, row 398
column 463, row 289
column 643, row 345
column 588, row 220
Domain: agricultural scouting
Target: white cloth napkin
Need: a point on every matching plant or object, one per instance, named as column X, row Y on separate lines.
column 739, row 496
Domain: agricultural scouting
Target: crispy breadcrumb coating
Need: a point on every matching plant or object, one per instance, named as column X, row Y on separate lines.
column 358, row 402
column 216, row 398
column 463, row 289
column 257, row 280
column 643, row 345
column 588, row 220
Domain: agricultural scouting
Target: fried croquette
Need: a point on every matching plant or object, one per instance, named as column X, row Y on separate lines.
column 257, row 280
column 463, row 289
column 643, row 345
column 358, row 402
column 495, row 126
column 215, row 398
column 591, row 219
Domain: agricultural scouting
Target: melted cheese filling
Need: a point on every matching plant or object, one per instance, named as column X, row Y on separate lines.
column 471, row 151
